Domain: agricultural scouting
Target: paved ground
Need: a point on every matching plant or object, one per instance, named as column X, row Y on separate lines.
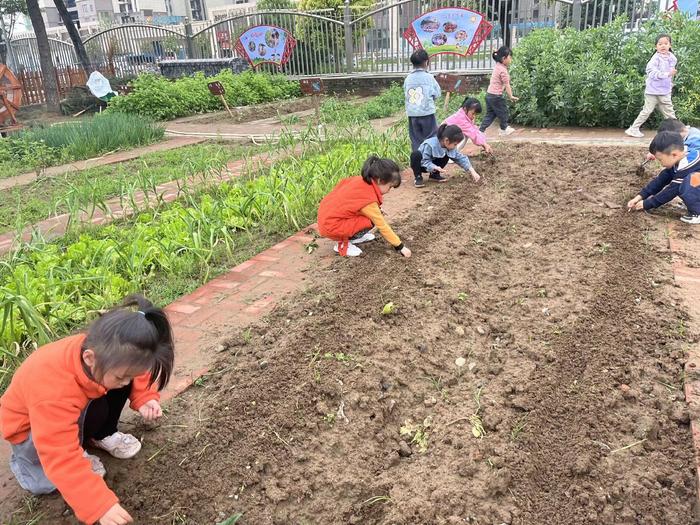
column 250, row 290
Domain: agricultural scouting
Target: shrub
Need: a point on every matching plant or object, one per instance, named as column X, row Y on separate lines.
column 596, row 77
column 385, row 105
column 161, row 99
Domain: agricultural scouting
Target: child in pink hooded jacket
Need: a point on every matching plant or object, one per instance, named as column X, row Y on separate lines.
column 464, row 119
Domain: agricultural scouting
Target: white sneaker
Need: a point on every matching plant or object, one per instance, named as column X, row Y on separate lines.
column 119, row 445
column 353, row 251
column 506, row 132
column 691, row 219
column 97, row 466
column 631, row 132
column 368, row 236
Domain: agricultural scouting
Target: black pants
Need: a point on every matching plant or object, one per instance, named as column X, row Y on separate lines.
column 420, row 128
column 102, row 414
column 416, row 158
column 496, row 108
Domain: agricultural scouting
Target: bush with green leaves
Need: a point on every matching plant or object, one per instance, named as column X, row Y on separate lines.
column 386, row 104
column 162, row 99
column 44, row 146
column 596, row 77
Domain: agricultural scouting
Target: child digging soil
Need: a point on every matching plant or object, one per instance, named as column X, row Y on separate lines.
column 348, row 212
column 68, row 395
column 680, row 178
column 434, row 154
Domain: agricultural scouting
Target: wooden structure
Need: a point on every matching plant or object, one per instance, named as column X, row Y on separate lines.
column 10, row 99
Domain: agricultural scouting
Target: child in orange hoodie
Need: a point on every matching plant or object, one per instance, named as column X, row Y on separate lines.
column 348, row 212
column 69, row 394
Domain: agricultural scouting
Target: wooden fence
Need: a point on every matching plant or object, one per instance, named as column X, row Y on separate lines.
column 33, row 83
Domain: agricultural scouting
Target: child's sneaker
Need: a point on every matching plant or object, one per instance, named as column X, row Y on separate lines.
column 418, row 183
column 353, row 251
column 634, row 132
column 436, row 177
column 119, row 445
column 96, row 463
column 506, row 132
column 691, row 219
column 361, row 237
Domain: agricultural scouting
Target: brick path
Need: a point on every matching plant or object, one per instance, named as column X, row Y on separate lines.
column 112, row 158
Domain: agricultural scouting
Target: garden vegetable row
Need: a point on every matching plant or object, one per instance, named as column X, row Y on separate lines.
column 46, row 290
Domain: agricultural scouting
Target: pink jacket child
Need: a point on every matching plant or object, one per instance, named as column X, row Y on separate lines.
column 464, row 119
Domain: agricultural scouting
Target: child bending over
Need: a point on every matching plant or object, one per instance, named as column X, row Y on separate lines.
column 351, row 209
column 68, row 395
column 691, row 136
column 464, row 119
column 680, row 178
column 435, row 152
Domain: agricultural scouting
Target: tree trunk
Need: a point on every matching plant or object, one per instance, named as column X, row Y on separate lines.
column 74, row 35
column 42, row 43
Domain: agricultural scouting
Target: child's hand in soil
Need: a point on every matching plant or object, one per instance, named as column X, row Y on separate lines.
column 633, row 203
column 650, row 156
column 487, row 149
column 116, row 515
column 475, row 175
column 405, row 252
column 439, row 169
column 639, row 206
column 151, row 410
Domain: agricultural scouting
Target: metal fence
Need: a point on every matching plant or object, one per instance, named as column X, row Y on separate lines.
column 344, row 40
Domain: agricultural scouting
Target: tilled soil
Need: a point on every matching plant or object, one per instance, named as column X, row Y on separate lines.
column 567, row 407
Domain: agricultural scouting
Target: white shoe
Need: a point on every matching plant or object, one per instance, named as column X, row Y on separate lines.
column 119, row 445
column 691, row 219
column 634, row 133
column 506, row 132
column 368, row 236
column 97, row 466
column 353, row 251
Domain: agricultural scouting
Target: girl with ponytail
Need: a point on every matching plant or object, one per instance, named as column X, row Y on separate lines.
column 69, row 394
column 352, row 208
column 496, row 105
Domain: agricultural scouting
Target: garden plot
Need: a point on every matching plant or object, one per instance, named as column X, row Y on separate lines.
column 529, row 372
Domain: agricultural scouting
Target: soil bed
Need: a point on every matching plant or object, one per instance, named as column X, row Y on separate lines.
column 572, row 342
column 250, row 113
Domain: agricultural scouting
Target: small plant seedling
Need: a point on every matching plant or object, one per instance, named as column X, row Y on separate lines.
column 462, row 296
column 518, row 428
column 375, row 499
column 339, row 356
column 311, row 247
column 200, row 381
column 389, row 308
column 247, row 336
column 329, row 419
column 231, row 520
column 542, row 293
column 418, row 433
column 475, row 420
column 604, row 247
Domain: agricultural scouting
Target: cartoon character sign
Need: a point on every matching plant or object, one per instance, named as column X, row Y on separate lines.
column 452, row 30
column 266, row 44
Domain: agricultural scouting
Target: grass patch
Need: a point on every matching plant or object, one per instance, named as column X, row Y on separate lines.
column 87, row 190
column 41, row 147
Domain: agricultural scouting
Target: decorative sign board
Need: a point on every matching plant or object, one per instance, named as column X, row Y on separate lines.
column 266, row 45
column 450, row 30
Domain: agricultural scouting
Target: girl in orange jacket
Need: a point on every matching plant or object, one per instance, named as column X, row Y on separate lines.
column 352, row 208
column 69, row 394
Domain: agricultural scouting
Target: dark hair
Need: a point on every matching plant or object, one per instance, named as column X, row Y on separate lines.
column 419, row 58
column 502, row 53
column 672, row 124
column 452, row 133
column 666, row 142
column 136, row 339
column 665, row 35
column 384, row 171
column 471, row 103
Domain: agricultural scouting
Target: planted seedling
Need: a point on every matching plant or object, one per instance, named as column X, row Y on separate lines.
column 232, row 520
column 418, row 433
column 518, row 428
column 462, row 296
column 375, row 499
column 389, row 308
column 475, row 420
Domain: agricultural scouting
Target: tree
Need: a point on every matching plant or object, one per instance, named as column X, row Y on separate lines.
column 277, row 20
column 9, row 9
column 42, row 44
column 74, row 35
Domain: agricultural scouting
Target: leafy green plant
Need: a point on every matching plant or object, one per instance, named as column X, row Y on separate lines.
column 161, row 99
column 386, row 104
column 418, row 433
column 596, row 77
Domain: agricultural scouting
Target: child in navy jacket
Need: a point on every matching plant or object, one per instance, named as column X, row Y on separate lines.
column 680, row 178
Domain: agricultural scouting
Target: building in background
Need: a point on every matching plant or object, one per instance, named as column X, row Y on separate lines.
column 100, row 12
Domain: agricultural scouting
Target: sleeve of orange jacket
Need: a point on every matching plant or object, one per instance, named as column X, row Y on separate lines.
column 142, row 392
column 374, row 214
column 55, row 436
